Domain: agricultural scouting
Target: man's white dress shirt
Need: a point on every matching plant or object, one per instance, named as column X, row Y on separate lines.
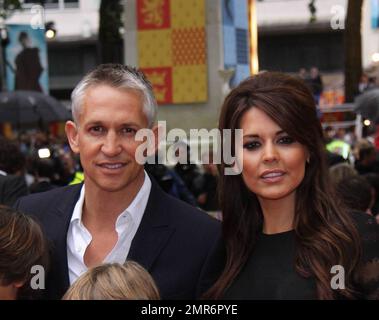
column 127, row 223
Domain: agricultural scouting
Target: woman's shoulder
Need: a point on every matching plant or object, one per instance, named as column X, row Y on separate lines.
column 368, row 229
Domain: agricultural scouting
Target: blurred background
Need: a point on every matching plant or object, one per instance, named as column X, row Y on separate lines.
column 193, row 52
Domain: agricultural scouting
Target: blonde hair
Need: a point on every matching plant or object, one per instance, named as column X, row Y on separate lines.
column 113, row 281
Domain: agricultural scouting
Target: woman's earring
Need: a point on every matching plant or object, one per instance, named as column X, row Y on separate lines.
column 308, row 160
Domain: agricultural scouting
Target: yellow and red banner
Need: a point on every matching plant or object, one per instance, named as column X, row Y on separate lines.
column 172, row 49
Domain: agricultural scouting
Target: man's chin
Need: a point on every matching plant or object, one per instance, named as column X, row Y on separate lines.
column 112, row 188
column 114, row 184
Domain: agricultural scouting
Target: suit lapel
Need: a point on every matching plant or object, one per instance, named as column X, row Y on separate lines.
column 151, row 237
column 57, row 232
column 154, row 230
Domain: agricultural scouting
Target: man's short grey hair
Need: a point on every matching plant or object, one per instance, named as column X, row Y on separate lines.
column 119, row 77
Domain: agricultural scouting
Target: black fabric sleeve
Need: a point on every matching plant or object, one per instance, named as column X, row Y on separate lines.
column 368, row 273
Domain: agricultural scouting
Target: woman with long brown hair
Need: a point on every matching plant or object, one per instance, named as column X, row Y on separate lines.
column 286, row 235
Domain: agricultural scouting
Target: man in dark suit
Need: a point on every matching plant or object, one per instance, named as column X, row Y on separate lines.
column 12, row 181
column 11, row 189
column 120, row 213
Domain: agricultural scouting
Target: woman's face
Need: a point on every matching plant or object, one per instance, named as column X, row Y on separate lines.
column 273, row 162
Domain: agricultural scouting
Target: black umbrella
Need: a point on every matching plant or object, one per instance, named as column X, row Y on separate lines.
column 27, row 107
column 367, row 104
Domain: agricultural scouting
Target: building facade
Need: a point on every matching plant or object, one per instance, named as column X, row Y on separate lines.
column 74, row 50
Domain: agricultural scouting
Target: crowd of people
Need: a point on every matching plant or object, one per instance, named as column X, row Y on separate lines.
column 25, row 167
column 354, row 169
column 129, row 231
column 29, row 171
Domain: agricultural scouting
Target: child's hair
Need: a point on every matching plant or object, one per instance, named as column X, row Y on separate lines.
column 22, row 247
column 113, row 281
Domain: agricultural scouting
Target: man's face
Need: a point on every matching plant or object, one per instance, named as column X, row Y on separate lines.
column 25, row 42
column 105, row 138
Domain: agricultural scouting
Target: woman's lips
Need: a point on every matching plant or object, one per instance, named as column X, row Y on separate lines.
column 272, row 176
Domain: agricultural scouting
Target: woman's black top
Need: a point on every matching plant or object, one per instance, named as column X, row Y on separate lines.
column 270, row 273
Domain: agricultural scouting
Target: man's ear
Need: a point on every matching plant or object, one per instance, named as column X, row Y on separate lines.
column 72, row 135
column 18, row 284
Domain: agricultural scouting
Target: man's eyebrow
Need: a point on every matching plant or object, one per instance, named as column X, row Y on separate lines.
column 94, row 123
column 101, row 123
column 130, row 124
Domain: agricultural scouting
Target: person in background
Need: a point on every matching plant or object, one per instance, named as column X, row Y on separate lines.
column 373, row 179
column 208, row 199
column 332, row 158
column 12, row 168
column 316, row 84
column 44, row 175
column 187, row 170
column 367, row 162
column 341, row 171
column 329, row 134
column 363, row 83
column 356, row 193
column 22, row 246
column 338, row 145
column 303, row 74
column 372, row 83
column 170, row 181
column 28, row 65
column 70, row 171
column 113, row 281
column 358, row 145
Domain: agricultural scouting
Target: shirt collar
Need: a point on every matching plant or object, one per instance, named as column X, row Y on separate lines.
column 138, row 205
column 77, row 214
column 135, row 209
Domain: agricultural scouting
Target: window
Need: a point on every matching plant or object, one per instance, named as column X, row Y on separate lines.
column 242, row 46
column 71, row 3
column 290, row 52
column 79, row 57
column 54, row 4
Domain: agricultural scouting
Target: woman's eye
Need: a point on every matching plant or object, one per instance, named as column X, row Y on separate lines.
column 251, row 145
column 286, row 140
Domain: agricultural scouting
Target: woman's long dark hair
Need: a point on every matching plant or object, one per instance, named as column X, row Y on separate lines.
column 325, row 234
